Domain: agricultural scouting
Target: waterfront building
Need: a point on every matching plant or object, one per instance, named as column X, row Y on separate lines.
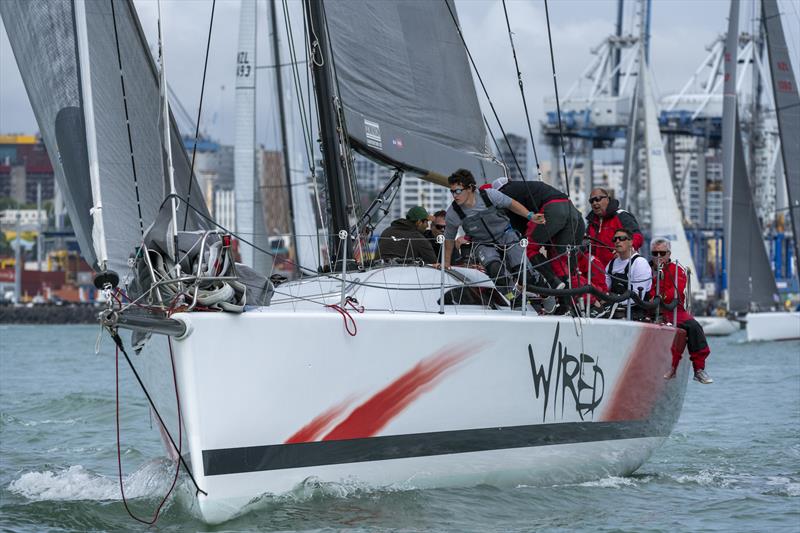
column 519, row 146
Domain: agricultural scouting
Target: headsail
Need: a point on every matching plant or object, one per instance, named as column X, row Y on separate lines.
column 749, row 276
column 787, row 103
column 406, row 87
column 124, row 84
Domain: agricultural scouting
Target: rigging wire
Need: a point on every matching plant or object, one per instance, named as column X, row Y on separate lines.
column 522, row 91
column 347, row 155
column 489, row 99
column 199, row 112
column 178, row 450
column 127, row 121
column 558, row 105
column 306, row 121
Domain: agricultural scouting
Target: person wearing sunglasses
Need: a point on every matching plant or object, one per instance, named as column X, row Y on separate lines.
column 403, row 240
column 628, row 269
column 606, row 218
column 482, row 215
column 665, row 273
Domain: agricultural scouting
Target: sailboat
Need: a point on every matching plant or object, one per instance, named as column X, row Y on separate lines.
column 751, row 283
column 666, row 218
column 386, row 375
column 767, row 326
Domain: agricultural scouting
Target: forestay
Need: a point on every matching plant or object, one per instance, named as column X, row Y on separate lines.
column 131, row 171
column 406, row 87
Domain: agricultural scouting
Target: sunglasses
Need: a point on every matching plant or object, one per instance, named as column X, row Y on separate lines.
column 440, row 226
column 621, row 238
column 595, row 199
column 456, row 192
column 656, row 253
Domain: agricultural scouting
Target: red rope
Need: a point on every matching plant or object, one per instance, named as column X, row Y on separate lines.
column 180, row 444
column 348, row 319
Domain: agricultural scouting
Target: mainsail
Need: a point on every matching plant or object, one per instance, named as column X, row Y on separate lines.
column 787, row 107
column 750, row 279
column 406, row 88
column 125, row 95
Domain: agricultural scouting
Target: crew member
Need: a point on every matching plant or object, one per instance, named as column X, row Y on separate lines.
column 404, row 240
column 481, row 214
column 664, row 286
column 628, row 270
column 604, row 220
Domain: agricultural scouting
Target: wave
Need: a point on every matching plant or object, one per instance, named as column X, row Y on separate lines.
column 78, row 483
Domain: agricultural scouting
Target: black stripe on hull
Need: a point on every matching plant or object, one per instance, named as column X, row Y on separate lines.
column 280, row 456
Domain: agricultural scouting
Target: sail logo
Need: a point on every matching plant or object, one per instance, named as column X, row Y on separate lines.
column 578, row 379
column 243, row 66
column 372, row 130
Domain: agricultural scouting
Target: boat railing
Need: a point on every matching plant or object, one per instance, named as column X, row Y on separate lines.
column 349, row 276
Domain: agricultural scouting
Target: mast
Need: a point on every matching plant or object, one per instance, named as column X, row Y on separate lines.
column 249, row 213
column 98, row 231
column 167, row 138
column 729, row 117
column 329, row 124
column 276, row 53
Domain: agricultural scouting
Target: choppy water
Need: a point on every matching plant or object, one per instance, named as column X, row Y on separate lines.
column 732, row 464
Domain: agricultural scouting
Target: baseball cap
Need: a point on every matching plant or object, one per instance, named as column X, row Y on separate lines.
column 417, row 213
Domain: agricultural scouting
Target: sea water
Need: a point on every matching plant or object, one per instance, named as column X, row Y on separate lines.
column 732, row 463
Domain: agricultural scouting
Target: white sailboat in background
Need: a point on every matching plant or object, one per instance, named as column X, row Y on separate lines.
column 782, row 325
column 434, row 381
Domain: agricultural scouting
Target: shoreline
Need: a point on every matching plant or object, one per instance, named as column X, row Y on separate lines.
column 49, row 314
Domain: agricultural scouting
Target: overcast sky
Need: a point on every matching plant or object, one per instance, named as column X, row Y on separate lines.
column 681, row 30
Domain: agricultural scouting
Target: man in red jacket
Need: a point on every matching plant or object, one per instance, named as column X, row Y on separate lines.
column 664, row 274
column 605, row 219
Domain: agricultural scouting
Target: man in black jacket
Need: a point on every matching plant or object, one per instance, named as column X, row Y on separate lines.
column 404, row 239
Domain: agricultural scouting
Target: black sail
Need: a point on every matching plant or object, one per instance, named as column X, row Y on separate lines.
column 787, row 103
column 750, row 279
column 406, row 88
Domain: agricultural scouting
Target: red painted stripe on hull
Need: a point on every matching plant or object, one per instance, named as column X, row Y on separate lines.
column 373, row 415
column 314, row 429
column 642, row 382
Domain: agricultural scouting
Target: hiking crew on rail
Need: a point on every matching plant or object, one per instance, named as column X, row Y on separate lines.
column 664, row 275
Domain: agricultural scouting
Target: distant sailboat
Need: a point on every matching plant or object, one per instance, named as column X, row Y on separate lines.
column 751, row 284
column 782, row 325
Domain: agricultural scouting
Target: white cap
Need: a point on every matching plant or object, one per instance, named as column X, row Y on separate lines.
column 499, row 182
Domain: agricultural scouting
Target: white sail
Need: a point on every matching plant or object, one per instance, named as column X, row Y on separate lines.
column 666, row 219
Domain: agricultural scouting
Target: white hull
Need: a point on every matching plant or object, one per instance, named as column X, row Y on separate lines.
column 777, row 326
column 281, row 394
column 717, row 326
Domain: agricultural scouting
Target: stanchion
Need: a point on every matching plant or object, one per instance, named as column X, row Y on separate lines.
column 343, row 238
column 523, row 243
column 630, row 300
column 659, row 273
column 440, row 242
column 589, row 279
column 675, row 288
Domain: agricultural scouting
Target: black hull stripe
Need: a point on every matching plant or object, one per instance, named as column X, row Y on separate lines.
column 280, row 456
